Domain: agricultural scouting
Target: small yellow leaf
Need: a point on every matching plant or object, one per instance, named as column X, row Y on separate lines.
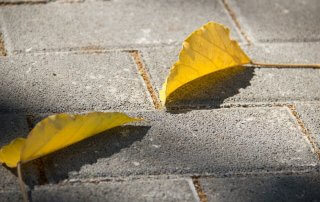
column 10, row 154
column 58, row 131
column 206, row 50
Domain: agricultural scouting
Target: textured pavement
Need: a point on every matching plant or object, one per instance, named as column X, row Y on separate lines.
column 253, row 136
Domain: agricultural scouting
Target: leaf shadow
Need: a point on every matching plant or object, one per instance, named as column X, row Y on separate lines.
column 210, row 91
column 58, row 166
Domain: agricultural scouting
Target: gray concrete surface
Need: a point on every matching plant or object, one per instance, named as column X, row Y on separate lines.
column 302, row 187
column 284, row 53
column 69, row 82
column 310, row 114
column 137, row 190
column 107, row 24
column 12, row 126
column 16, row 2
column 238, row 85
column 65, row 57
column 223, row 141
column 278, row 20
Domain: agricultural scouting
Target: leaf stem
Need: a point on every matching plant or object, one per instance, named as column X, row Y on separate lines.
column 21, row 183
column 286, row 65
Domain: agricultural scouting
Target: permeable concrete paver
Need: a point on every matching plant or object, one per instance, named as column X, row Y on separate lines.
column 267, row 188
column 218, row 142
column 137, row 190
column 278, row 20
column 310, row 114
column 68, row 82
column 108, row 24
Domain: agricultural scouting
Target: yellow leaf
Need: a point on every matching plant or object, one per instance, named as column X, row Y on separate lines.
column 58, row 131
column 205, row 51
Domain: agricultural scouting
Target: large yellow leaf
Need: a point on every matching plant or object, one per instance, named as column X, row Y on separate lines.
column 59, row 131
column 206, row 50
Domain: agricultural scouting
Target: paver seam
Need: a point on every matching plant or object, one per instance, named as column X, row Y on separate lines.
column 16, row 3
column 282, row 66
column 231, row 105
column 201, row 194
column 291, row 40
column 3, row 51
column 37, row 2
column 95, row 48
column 191, row 175
column 235, row 20
column 193, row 189
column 39, row 164
column 136, row 55
column 304, row 130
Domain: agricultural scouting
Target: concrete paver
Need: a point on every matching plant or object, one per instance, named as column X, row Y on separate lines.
column 64, row 57
column 249, row 85
column 285, row 53
column 11, row 127
column 278, row 20
column 138, row 190
column 310, row 114
column 107, row 24
column 268, row 188
column 204, row 142
column 68, row 82
column 22, row 1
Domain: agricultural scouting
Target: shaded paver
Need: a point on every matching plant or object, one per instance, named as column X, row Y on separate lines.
column 69, row 82
column 136, row 190
column 278, row 20
column 107, row 24
column 238, row 85
column 11, row 127
column 269, row 188
column 204, row 142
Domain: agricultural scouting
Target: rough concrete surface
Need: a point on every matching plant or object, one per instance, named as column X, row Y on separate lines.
column 268, row 188
column 278, row 20
column 108, row 23
column 137, row 190
column 198, row 142
column 285, row 53
column 69, row 82
column 77, row 56
column 310, row 114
